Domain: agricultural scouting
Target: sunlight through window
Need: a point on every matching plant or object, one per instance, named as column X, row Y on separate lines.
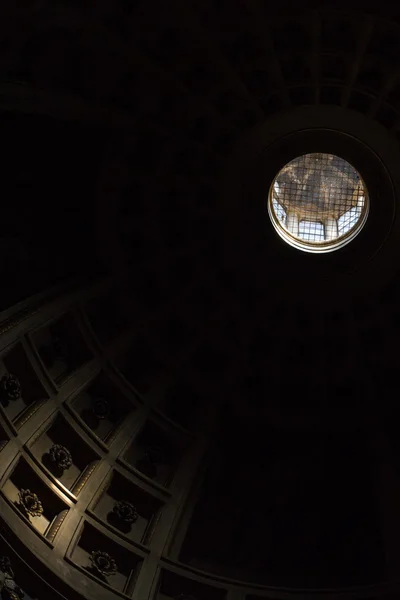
column 318, row 202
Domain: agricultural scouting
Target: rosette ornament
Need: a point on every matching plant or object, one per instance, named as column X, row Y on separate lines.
column 60, row 456
column 9, row 590
column 60, row 348
column 103, row 563
column 10, row 387
column 100, row 408
column 125, row 512
column 5, row 566
column 56, row 350
column 154, row 455
column 30, row 503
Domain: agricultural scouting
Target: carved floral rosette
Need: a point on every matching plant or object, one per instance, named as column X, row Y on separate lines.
column 60, row 456
column 126, row 512
column 9, row 590
column 5, row 566
column 56, row 350
column 60, row 349
column 30, row 503
column 100, row 408
column 103, row 563
column 10, row 387
column 154, row 455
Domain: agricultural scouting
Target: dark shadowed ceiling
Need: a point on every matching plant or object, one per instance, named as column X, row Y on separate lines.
column 119, row 120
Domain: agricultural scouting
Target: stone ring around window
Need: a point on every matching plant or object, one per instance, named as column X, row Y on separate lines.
column 60, row 456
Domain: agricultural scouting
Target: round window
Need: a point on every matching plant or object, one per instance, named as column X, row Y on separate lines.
column 318, row 202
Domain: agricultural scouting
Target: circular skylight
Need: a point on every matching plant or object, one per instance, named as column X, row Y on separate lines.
column 318, row 202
